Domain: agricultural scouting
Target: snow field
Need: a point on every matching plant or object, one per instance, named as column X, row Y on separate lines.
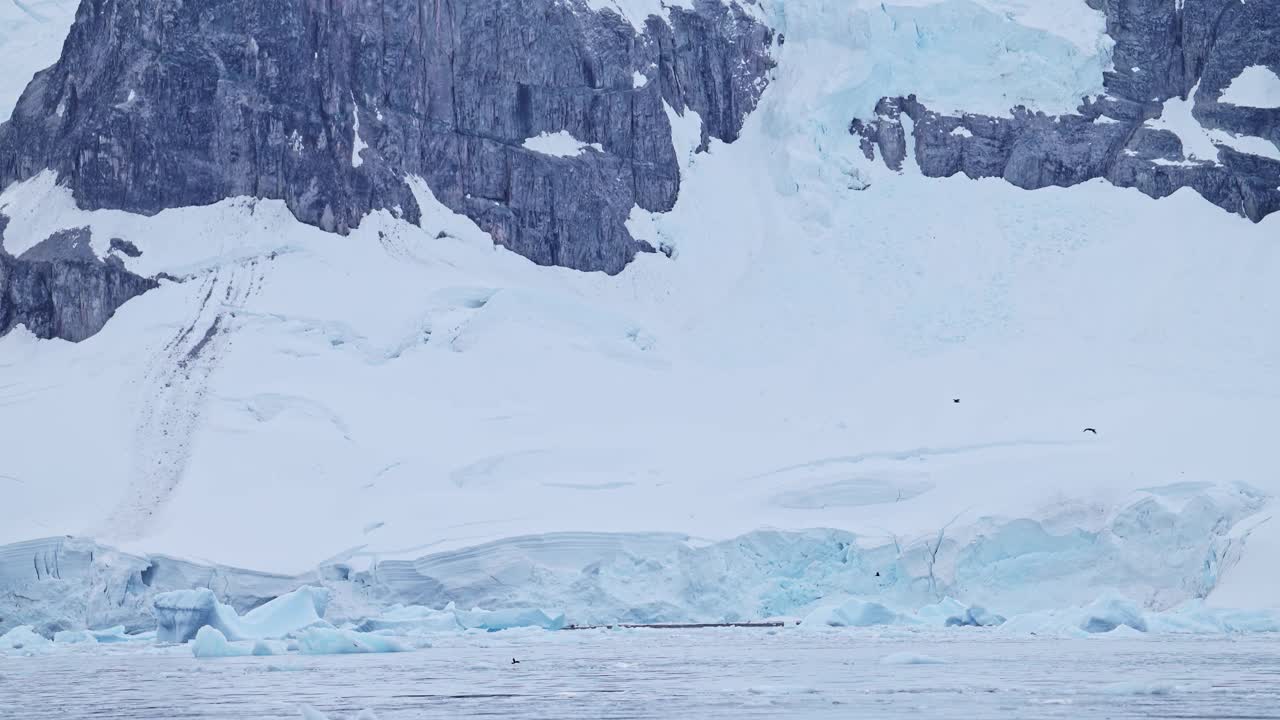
column 794, row 365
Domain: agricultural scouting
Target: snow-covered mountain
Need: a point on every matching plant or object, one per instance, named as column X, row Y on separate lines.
column 606, row 306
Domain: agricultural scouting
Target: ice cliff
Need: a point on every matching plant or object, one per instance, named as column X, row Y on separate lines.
column 1160, row 552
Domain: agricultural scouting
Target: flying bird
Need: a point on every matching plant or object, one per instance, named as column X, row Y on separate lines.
column 1091, row 430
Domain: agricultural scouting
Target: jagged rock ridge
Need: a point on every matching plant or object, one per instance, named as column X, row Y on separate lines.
column 329, row 106
column 1164, row 49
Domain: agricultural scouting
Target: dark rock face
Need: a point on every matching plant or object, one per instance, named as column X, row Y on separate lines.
column 1162, row 52
column 60, row 289
column 330, row 106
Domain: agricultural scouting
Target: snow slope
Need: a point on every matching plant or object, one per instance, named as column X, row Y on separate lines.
column 31, row 34
column 303, row 397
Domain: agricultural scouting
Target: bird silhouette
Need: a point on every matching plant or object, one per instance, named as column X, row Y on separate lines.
column 515, row 661
column 1091, row 430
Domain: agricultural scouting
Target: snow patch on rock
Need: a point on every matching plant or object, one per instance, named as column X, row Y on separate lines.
column 559, row 144
column 1257, row 86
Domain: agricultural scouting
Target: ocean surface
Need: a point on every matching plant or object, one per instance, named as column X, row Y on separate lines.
column 701, row 674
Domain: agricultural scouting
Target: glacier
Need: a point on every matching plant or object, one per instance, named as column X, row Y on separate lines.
column 1166, row 549
column 759, row 423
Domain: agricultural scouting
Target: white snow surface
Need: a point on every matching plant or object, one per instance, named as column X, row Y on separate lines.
column 31, row 35
column 1200, row 144
column 410, row 390
column 559, row 144
column 1256, row 86
column 358, row 145
column 1197, row 142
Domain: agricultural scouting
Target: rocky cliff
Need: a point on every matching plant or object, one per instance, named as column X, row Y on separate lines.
column 1163, row 123
column 61, row 289
column 330, row 106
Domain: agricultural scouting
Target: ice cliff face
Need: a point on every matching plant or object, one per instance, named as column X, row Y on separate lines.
column 1160, row 551
column 160, row 104
column 1163, row 123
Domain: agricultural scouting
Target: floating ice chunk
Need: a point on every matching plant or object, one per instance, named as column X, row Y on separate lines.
column 856, row 613
column 1053, row 623
column 975, row 617
column 1196, row 617
column 180, row 614
column 114, row 634
column 110, row 635
column 75, row 637
column 331, row 641
column 211, row 643
column 1124, row 631
column 1111, row 611
column 1103, row 615
column 414, row 619
column 942, row 611
column 23, row 638
column 286, row 614
column 908, row 658
column 494, row 620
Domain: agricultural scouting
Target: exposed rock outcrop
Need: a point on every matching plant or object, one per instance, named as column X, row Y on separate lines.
column 329, row 106
column 61, row 289
column 1166, row 50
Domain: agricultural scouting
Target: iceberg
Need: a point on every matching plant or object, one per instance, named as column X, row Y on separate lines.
column 211, row 643
column 941, row 612
column 1195, row 617
column 114, row 634
column 23, row 638
column 1110, row 612
column 495, row 620
column 414, row 619
column 180, row 615
column 975, row 616
column 856, row 613
column 332, row 641
column 1054, row 623
column 74, row 637
column 92, row 637
column 1113, row 614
